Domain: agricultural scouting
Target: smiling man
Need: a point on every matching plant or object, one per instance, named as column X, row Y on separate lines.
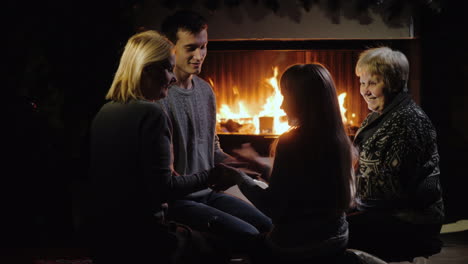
column 191, row 105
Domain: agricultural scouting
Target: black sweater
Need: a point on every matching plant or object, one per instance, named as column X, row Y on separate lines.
column 131, row 163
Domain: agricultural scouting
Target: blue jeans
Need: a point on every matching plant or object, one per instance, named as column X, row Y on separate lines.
column 226, row 216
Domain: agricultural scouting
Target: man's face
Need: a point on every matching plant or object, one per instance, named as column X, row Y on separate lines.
column 190, row 51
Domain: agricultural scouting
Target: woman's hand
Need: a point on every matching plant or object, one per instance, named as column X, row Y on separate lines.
column 256, row 164
column 247, row 152
column 241, row 166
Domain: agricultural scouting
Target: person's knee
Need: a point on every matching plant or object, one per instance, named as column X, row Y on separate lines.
column 265, row 226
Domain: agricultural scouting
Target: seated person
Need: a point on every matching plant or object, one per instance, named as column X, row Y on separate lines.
column 191, row 105
column 399, row 208
column 131, row 165
column 311, row 182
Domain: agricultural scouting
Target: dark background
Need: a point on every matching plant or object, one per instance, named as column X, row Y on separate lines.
column 59, row 63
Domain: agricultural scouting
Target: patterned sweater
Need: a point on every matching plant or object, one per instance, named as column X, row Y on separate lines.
column 399, row 164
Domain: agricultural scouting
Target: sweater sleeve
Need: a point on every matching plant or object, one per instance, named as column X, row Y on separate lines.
column 414, row 161
column 210, row 99
column 219, row 154
column 157, row 159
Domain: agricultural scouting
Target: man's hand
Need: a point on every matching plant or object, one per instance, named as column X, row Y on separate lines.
column 222, row 177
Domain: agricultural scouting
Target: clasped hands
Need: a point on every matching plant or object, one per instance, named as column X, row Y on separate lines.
column 229, row 172
column 223, row 176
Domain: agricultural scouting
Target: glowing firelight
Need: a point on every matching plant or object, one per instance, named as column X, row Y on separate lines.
column 343, row 110
column 271, row 108
column 225, row 111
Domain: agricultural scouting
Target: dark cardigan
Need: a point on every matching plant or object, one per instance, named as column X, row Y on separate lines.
column 131, row 165
column 398, row 168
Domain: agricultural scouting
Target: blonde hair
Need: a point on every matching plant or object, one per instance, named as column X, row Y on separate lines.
column 392, row 65
column 141, row 50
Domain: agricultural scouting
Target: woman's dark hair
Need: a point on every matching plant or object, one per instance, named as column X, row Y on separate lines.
column 185, row 20
column 316, row 103
column 319, row 126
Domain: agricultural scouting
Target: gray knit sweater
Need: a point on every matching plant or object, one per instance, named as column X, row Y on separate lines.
column 193, row 116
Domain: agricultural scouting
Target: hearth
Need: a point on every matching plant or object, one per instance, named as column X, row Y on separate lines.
column 245, row 76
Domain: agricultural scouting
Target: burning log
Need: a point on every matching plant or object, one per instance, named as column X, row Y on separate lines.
column 231, row 126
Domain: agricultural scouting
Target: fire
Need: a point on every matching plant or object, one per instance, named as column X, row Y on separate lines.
column 272, row 106
column 274, row 118
column 341, row 100
column 271, row 111
column 225, row 111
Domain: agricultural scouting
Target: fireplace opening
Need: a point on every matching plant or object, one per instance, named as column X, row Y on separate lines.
column 245, row 77
column 246, row 85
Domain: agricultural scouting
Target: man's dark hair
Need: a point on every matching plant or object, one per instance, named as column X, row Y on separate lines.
column 185, row 20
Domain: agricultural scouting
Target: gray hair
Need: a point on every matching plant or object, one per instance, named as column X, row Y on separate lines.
column 392, row 65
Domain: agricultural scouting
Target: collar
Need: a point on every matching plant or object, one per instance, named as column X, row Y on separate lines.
column 375, row 120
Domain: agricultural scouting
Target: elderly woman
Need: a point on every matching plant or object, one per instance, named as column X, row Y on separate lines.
column 399, row 207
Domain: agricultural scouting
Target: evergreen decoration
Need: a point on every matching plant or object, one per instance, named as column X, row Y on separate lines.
column 212, row 5
column 389, row 10
column 272, row 4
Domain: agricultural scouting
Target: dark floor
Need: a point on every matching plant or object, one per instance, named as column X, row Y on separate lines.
column 455, row 251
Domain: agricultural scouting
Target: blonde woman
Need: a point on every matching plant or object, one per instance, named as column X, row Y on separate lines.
column 131, row 160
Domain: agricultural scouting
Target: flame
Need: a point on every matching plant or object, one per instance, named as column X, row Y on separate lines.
column 341, row 99
column 211, row 82
column 225, row 112
column 351, row 122
column 271, row 109
column 272, row 106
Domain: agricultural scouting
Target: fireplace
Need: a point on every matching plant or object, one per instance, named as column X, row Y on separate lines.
column 245, row 76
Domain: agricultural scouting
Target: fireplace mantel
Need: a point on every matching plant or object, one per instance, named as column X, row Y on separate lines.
column 403, row 44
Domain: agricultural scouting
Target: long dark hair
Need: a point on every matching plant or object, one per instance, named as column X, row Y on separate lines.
column 320, row 127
